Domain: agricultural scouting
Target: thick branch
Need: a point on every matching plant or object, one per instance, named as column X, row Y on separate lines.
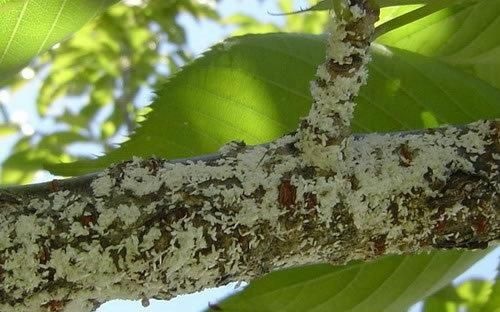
column 151, row 228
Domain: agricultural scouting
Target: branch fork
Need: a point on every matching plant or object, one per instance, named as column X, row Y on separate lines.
column 152, row 228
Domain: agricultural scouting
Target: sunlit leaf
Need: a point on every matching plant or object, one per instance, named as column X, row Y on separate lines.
column 255, row 88
column 27, row 159
column 20, row 167
column 8, row 129
column 111, row 124
column 493, row 303
column 102, row 92
column 464, row 35
column 29, row 27
column 470, row 296
column 56, row 142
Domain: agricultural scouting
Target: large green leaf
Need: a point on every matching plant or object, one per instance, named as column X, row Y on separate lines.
column 29, row 27
column 464, row 35
column 255, row 88
column 390, row 284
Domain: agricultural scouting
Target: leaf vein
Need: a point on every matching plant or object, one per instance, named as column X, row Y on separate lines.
column 56, row 19
column 16, row 27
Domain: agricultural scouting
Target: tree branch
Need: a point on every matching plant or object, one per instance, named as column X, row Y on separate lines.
column 150, row 228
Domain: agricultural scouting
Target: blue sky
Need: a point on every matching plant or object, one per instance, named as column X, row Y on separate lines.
column 201, row 35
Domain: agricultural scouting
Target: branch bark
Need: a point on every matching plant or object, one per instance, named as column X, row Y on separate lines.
column 152, row 228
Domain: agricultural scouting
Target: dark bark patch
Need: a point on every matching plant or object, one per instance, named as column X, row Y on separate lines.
column 321, row 83
column 311, row 202
column 394, row 211
column 344, row 70
column 354, row 182
column 43, row 255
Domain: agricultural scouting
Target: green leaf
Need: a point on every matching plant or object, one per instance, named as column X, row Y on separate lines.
column 409, row 91
column 56, row 142
column 445, row 300
column 27, row 159
column 8, row 129
column 475, row 292
column 472, row 295
column 493, row 303
column 256, row 87
column 464, row 35
column 29, row 27
column 20, row 167
column 389, row 284
column 415, row 15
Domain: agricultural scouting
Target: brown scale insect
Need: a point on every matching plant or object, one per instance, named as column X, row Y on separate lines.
column 379, row 245
column 405, row 155
column 54, row 186
column 480, row 224
column 440, row 226
column 55, row 305
column 86, row 220
column 287, row 193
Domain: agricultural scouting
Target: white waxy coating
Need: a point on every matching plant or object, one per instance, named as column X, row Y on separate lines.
column 214, row 214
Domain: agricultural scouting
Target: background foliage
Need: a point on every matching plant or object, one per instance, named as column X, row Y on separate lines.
column 107, row 64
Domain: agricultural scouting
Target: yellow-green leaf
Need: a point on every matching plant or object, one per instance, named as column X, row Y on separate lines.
column 29, row 27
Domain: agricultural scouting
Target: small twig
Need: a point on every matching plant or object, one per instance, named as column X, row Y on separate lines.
column 4, row 113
